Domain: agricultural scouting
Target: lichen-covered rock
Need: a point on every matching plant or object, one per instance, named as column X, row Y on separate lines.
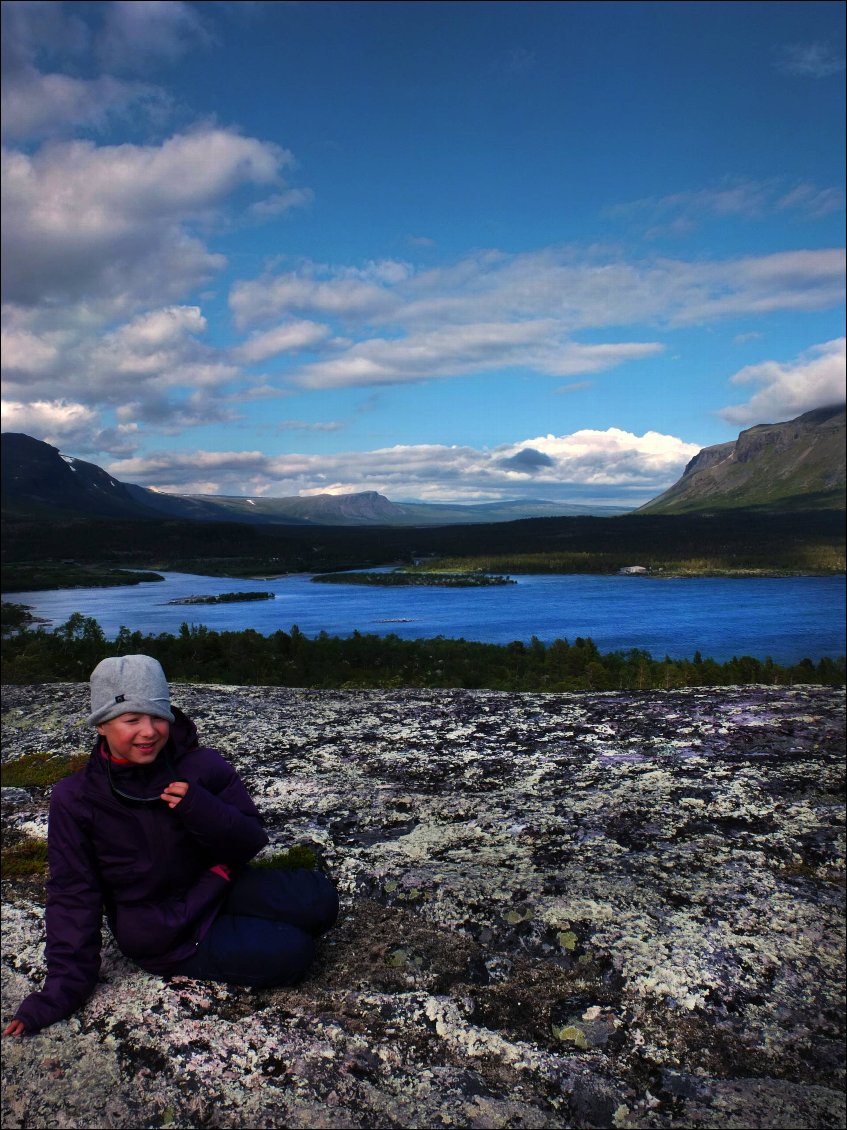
column 601, row 910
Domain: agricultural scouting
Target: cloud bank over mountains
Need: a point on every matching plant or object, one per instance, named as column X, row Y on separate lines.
column 612, row 462
column 113, row 268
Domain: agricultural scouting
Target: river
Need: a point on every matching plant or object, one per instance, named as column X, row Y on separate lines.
column 786, row 618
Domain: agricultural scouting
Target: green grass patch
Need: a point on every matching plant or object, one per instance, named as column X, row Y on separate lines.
column 290, row 860
column 818, row 559
column 25, row 858
column 39, row 769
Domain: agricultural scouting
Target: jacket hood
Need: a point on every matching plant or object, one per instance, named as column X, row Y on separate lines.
column 183, row 734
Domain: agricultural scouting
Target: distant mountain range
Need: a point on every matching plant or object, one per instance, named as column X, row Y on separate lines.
column 39, row 482
column 790, row 466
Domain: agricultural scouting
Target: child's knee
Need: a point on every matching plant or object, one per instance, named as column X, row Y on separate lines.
column 318, row 900
column 327, row 905
column 296, row 956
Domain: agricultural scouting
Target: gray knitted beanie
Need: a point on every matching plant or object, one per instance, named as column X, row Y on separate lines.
column 129, row 684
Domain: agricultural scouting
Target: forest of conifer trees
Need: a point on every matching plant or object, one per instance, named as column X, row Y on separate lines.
column 198, row 654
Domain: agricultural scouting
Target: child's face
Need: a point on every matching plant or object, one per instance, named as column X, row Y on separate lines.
column 136, row 737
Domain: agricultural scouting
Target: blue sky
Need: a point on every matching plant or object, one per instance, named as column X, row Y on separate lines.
column 440, row 250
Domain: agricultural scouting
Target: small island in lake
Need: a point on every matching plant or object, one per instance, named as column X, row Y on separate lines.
column 224, row 598
column 440, row 580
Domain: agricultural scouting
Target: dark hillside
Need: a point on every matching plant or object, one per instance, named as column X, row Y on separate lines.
column 38, row 481
column 807, row 541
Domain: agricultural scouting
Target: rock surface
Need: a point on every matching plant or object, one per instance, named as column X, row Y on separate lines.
column 602, row 910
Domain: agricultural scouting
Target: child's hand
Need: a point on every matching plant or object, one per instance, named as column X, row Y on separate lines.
column 15, row 1028
column 174, row 792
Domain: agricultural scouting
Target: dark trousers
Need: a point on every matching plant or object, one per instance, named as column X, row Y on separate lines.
column 266, row 929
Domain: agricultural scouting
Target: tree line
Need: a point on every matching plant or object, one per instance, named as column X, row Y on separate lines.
column 199, row 654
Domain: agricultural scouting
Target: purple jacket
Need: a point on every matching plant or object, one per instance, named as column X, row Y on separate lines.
column 146, row 865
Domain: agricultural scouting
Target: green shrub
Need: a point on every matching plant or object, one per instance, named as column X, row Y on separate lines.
column 39, row 769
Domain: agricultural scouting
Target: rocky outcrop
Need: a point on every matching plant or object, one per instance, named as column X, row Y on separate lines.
column 603, row 910
column 710, row 457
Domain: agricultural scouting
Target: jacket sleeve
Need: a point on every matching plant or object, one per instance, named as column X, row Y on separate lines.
column 220, row 815
column 73, row 918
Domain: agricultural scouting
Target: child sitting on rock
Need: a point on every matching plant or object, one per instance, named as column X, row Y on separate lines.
column 156, row 830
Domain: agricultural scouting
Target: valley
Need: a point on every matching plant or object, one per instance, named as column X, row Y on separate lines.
column 38, row 555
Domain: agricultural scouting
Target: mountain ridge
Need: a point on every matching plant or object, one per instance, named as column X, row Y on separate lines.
column 791, row 465
column 797, row 464
column 39, row 481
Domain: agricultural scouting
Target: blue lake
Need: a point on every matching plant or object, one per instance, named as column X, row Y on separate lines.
column 787, row 618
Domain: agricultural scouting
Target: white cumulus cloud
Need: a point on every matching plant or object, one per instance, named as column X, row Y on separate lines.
column 134, row 35
column 494, row 310
column 456, row 350
column 113, row 223
column 814, row 379
column 266, row 298
column 26, row 352
column 288, row 338
column 47, row 416
column 72, row 427
column 40, row 102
